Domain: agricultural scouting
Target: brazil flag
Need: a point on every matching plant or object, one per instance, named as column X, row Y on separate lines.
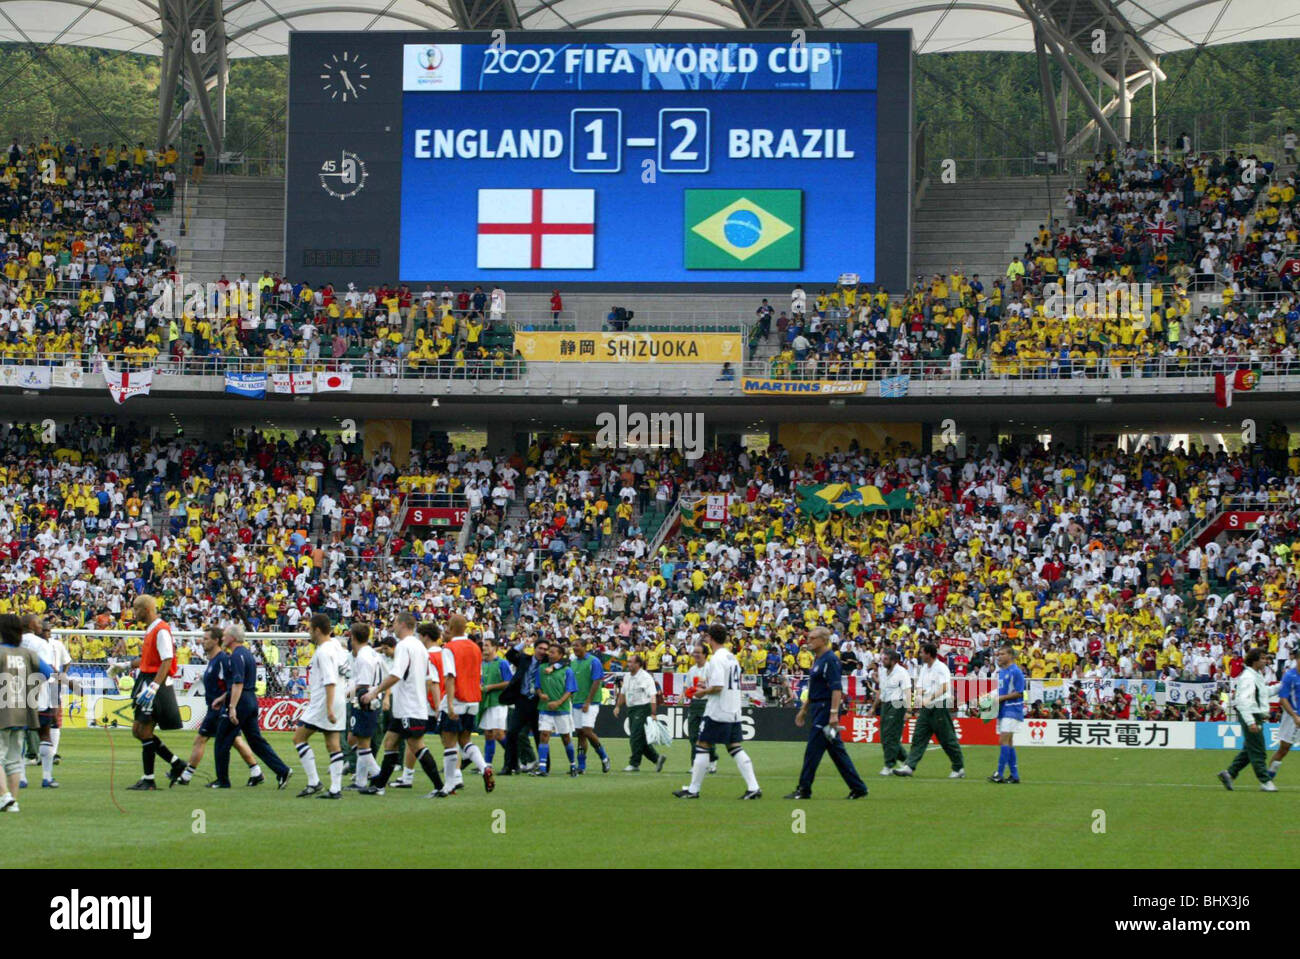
column 744, row 229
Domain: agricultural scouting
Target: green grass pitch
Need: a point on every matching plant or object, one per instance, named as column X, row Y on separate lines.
column 1160, row 809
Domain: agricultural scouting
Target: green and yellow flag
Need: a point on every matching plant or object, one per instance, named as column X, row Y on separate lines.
column 744, row 229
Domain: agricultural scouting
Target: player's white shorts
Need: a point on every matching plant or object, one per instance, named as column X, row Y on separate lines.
column 1287, row 731
column 586, row 718
column 494, row 717
column 1010, row 725
column 316, row 715
column 560, row 724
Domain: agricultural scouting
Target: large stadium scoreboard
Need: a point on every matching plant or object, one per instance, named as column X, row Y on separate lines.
column 675, row 162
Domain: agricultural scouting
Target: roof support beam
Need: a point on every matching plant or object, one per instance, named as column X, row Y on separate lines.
column 485, row 14
column 1048, row 92
column 193, row 33
column 776, row 14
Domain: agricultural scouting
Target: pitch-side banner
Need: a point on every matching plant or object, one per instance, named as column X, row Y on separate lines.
column 630, row 347
column 754, row 386
column 1108, row 734
column 866, row 729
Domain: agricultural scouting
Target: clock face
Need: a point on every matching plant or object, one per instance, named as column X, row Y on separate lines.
column 344, row 177
column 344, row 76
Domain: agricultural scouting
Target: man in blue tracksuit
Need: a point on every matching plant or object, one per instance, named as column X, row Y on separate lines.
column 240, row 717
column 823, row 705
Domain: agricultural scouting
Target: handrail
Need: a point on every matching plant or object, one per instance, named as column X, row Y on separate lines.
column 937, row 370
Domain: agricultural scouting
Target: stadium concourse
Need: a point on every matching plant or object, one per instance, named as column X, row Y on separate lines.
column 86, row 277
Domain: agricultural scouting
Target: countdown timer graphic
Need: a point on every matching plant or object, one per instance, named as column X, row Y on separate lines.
column 677, row 161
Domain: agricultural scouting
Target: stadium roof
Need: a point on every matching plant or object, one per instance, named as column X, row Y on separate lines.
column 261, row 27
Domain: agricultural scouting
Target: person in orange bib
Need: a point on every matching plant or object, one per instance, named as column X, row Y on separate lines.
column 154, row 696
column 462, row 659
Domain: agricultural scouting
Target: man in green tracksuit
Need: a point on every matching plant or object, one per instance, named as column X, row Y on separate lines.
column 1250, row 696
column 590, row 675
column 695, row 711
column 933, row 716
column 893, row 694
column 639, row 695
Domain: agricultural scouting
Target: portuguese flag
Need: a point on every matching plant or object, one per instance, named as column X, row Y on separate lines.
column 1225, row 385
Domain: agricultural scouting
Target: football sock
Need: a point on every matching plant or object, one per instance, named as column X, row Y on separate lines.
column 146, row 757
column 475, row 755
column 699, row 769
column 255, row 770
column 336, row 771
column 390, row 763
column 450, row 763
column 568, row 751
column 1011, row 762
column 1275, row 765
column 408, row 773
column 430, row 766
column 365, row 758
column 162, row 752
column 55, row 735
column 1002, row 759
column 600, row 751
column 188, row 773
column 47, row 760
column 544, row 756
column 308, row 759
column 489, row 751
column 746, row 767
column 582, row 759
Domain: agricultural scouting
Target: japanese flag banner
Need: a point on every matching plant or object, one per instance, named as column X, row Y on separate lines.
column 333, row 382
column 122, row 386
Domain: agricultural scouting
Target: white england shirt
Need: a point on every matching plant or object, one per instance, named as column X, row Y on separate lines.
column 723, row 670
column 410, row 692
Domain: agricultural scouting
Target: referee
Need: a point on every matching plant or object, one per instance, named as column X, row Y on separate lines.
column 824, row 694
column 1250, row 698
column 934, row 692
column 892, row 694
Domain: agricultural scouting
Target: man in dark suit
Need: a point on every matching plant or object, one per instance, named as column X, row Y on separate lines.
column 522, row 695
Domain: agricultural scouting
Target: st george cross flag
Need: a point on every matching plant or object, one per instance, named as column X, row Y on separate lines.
column 299, row 384
column 122, row 386
column 333, row 382
column 536, row 229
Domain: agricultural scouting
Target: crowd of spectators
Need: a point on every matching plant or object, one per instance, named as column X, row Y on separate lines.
column 86, row 275
column 1107, row 290
column 1079, row 558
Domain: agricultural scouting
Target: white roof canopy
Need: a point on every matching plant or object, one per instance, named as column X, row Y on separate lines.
column 261, row 27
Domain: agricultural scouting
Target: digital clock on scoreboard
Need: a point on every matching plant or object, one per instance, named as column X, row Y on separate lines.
column 606, row 160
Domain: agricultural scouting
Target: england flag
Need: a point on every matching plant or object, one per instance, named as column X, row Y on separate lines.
column 536, row 229
column 298, row 384
column 122, row 386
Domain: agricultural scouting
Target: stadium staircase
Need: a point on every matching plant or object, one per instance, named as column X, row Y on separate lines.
column 978, row 225
column 234, row 225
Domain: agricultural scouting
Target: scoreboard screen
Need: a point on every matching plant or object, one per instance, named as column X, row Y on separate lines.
column 599, row 160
